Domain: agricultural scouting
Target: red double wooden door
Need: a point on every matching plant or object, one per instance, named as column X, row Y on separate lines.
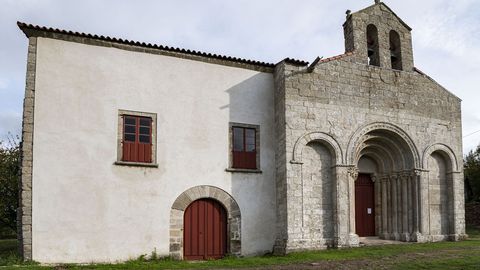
column 364, row 206
column 205, row 230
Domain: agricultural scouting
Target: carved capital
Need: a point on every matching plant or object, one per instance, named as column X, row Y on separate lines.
column 393, row 177
column 405, row 175
column 353, row 172
column 384, row 178
column 416, row 173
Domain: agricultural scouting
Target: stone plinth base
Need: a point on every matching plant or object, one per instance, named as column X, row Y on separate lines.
column 283, row 247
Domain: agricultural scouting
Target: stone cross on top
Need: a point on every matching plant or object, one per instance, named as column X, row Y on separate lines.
column 377, row 1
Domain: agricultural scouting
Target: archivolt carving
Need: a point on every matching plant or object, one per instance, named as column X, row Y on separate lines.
column 330, row 142
column 384, row 164
column 447, row 151
column 357, row 139
column 390, row 144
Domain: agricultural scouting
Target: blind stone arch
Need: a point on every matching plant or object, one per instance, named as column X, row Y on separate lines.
column 317, row 186
column 317, row 136
column 202, row 192
column 445, row 150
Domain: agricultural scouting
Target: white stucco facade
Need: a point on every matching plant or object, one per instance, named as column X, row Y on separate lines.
column 85, row 208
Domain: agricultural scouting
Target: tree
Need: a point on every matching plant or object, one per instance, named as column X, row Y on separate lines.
column 9, row 176
column 472, row 173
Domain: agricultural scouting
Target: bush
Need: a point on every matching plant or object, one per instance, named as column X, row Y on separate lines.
column 9, row 179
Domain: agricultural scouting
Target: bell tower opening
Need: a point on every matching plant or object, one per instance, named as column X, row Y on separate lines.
column 372, row 46
column 395, row 50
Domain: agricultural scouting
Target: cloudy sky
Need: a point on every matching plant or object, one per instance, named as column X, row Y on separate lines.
column 446, row 36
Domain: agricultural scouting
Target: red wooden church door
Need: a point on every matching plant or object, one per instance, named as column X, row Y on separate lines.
column 205, row 230
column 364, row 206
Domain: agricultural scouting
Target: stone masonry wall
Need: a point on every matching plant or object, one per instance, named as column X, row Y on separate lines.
column 333, row 100
column 25, row 185
column 280, row 158
column 341, row 96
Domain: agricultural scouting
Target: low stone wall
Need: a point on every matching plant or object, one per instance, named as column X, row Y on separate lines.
column 472, row 213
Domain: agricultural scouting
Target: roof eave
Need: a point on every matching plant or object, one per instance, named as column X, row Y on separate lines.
column 41, row 31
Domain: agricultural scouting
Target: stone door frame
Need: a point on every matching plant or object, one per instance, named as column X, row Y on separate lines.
column 204, row 192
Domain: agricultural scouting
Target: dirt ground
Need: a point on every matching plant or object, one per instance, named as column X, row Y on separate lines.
column 414, row 259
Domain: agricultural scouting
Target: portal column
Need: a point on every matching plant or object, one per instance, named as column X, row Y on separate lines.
column 344, row 237
column 421, row 222
column 389, row 207
column 410, row 200
column 399, row 207
column 384, row 182
column 404, row 185
column 353, row 175
column 394, row 196
column 378, row 204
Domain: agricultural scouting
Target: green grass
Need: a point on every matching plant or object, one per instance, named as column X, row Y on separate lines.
column 473, row 232
column 442, row 255
column 8, row 252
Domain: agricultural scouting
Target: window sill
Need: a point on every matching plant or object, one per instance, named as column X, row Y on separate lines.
column 136, row 164
column 243, row 170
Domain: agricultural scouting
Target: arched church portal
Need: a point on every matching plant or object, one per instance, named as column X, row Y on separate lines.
column 386, row 198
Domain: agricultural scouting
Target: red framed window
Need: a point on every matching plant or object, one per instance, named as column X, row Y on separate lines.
column 244, row 150
column 137, row 139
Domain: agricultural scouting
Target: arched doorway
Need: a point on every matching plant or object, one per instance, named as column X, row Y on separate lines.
column 185, row 199
column 205, row 230
column 388, row 155
column 364, row 205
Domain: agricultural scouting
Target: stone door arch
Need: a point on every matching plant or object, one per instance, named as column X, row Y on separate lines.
column 202, row 192
column 397, row 199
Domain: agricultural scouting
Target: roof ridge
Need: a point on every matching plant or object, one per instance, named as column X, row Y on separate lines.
column 295, row 61
column 28, row 28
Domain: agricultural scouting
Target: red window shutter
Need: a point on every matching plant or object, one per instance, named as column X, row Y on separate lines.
column 250, row 160
column 244, row 152
column 238, row 159
column 137, row 139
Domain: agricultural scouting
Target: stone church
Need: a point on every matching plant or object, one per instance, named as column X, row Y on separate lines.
column 131, row 148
